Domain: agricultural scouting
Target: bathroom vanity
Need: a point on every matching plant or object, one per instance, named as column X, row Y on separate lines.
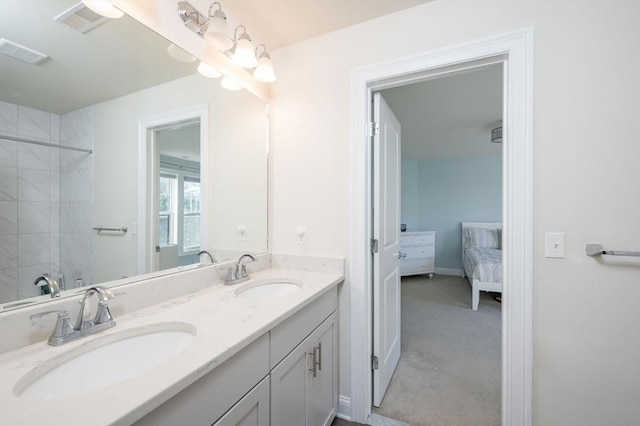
column 262, row 352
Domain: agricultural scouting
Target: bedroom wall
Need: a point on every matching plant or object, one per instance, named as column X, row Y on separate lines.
column 585, row 159
column 450, row 191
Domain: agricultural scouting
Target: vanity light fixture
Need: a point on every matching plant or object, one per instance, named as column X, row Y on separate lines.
column 230, row 84
column 264, row 69
column 213, row 29
column 217, row 33
column 243, row 52
column 104, row 8
column 208, row 71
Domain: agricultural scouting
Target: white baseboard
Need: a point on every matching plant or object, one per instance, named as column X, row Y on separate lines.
column 448, row 271
column 344, row 408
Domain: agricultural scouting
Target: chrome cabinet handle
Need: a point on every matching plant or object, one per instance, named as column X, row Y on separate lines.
column 319, row 356
column 312, row 354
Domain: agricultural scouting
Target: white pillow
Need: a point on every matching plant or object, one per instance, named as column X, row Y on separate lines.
column 484, row 238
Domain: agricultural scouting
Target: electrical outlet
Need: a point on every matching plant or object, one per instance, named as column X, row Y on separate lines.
column 242, row 233
column 554, row 245
column 301, row 235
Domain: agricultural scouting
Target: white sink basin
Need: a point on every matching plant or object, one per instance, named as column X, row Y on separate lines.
column 104, row 361
column 268, row 288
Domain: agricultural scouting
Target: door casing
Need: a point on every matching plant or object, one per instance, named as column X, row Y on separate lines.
column 515, row 51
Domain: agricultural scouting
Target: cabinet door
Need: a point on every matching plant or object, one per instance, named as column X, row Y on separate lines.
column 252, row 410
column 322, row 390
column 288, row 388
column 300, row 396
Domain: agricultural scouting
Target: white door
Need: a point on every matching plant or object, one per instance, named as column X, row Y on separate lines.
column 386, row 262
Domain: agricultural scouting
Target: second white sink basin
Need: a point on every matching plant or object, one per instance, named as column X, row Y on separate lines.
column 105, row 361
column 268, row 288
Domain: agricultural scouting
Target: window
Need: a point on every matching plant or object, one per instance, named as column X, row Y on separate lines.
column 179, row 211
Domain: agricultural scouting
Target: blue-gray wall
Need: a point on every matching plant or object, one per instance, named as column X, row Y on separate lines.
column 437, row 195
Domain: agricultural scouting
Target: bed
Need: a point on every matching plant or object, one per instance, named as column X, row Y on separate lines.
column 482, row 258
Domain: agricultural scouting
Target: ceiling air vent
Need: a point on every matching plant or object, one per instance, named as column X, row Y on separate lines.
column 80, row 18
column 22, row 53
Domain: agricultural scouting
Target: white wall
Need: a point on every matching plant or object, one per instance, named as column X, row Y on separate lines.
column 586, row 157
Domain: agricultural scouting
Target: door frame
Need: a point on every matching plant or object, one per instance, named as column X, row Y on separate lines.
column 515, row 51
column 149, row 167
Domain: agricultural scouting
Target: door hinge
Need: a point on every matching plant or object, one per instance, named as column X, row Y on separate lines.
column 374, row 128
column 374, row 362
column 374, row 246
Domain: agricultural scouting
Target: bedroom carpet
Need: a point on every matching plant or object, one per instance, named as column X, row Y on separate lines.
column 450, row 369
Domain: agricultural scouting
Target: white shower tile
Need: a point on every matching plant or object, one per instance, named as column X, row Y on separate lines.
column 84, row 142
column 33, row 185
column 54, row 217
column 76, row 217
column 8, row 251
column 32, row 156
column 8, row 153
column 34, row 217
column 54, row 186
column 76, row 248
column 76, row 185
column 54, row 248
column 8, row 217
column 8, row 118
column 9, row 285
column 33, row 123
column 8, row 183
column 54, row 159
column 54, row 129
column 77, row 123
column 33, row 249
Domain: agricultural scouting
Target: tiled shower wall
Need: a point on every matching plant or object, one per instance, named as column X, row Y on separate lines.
column 33, row 238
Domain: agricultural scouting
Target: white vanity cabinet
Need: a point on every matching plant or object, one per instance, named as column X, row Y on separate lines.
column 304, row 384
column 420, row 250
column 270, row 381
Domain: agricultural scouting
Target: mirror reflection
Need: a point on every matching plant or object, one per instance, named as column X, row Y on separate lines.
column 166, row 161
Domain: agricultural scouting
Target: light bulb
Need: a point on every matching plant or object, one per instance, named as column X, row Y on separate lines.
column 230, row 84
column 104, row 8
column 208, row 71
column 244, row 54
column 264, row 70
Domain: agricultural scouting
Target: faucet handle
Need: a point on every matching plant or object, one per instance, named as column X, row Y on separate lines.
column 63, row 324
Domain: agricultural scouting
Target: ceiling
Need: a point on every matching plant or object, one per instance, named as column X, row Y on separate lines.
column 279, row 23
column 122, row 56
column 449, row 117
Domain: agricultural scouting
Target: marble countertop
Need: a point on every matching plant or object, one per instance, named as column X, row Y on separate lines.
column 225, row 324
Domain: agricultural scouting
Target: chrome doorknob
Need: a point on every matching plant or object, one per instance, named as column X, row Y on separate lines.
column 401, row 255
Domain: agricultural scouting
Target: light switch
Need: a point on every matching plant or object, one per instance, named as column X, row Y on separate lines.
column 554, row 245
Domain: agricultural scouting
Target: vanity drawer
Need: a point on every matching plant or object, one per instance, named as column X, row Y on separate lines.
column 206, row 400
column 419, row 251
column 287, row 335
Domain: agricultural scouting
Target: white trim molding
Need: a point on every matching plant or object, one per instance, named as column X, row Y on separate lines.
column 449, row 271
column 515, row 51
column 344, row 408
column 147, row 167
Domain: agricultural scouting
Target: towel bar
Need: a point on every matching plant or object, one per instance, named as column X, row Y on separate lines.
column 101, row 228
column 595, row 249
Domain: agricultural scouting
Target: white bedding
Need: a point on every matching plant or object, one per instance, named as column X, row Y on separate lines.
column 483, row 264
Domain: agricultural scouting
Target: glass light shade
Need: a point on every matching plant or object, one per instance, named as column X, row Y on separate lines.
column 218, row 33
column 179, row 55
column 229, row 84
column 244, row 54
column 264, row 70
column 208, row 71
column 104, row 8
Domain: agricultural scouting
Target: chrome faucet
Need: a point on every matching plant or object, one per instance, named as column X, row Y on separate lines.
column 238, row 273
column 54, row 288
column 64, row 332
column 213, row 259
